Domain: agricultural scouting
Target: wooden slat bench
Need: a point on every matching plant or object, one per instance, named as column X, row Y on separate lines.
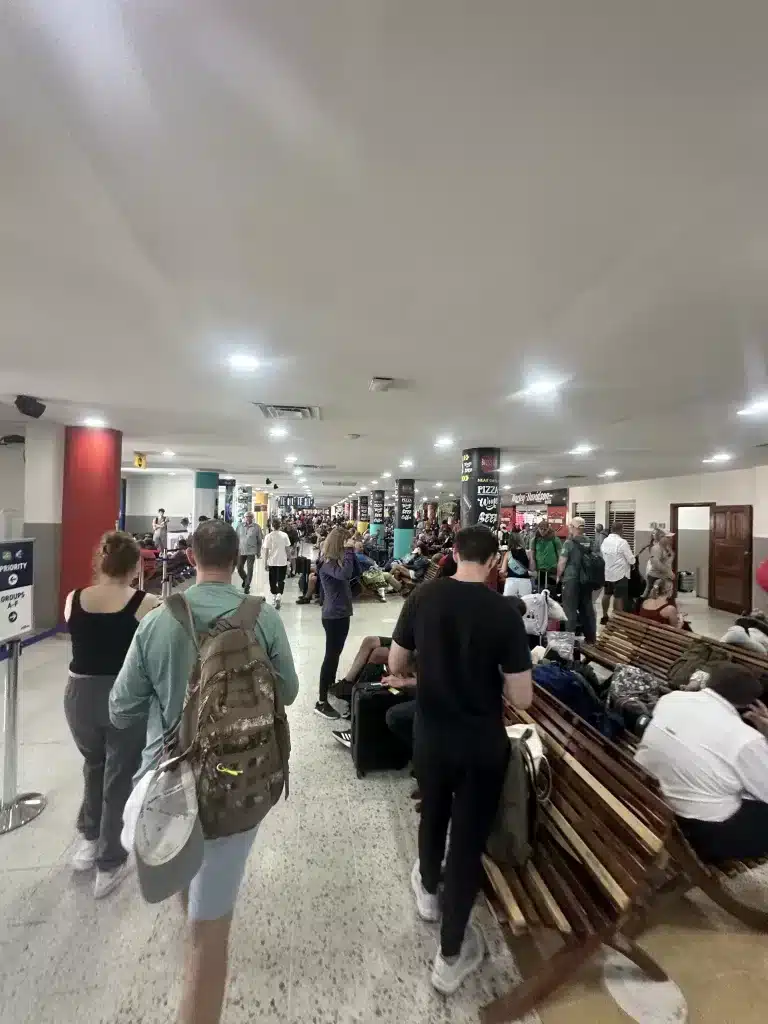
column 602, row 846
column 632, row 640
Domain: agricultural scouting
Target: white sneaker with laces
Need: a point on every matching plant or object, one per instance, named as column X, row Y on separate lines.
column 448, row 976
column 107, row 881
column 426, row 904
column 84, row 856
column 278, row 601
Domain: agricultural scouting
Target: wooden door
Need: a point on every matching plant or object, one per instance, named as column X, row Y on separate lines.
column 730, row 573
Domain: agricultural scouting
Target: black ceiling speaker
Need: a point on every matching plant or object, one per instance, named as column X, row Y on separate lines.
column 29, row 406
column 267, row 481
column 274, row 487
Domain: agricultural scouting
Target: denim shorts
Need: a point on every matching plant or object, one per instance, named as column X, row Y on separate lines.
column 213, row 890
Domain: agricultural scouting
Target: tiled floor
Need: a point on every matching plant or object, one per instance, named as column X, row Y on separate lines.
column 325, row 931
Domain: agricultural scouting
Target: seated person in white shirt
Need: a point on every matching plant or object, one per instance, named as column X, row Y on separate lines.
column 712, row 763
column 619, row 559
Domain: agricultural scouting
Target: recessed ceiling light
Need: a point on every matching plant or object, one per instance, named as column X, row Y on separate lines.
column 417, row 491
column 243, row 362
column 386, row 475
column 507, row 487
column 444, row 442
column 719, row 457
column 406, row 464
column 451, row 495
column 581, row 449
column 94, row 421
column 291, row 458
column 297, row 471
column 756, row 408
column 374, row 482
column 506, row 467
column 168, row 454
column 547, row 481
column 437, row 496
column 544, row 387
column 278, row 432
column 171, row 473
column 302, row 479
column 438, row 483
column 609, row 472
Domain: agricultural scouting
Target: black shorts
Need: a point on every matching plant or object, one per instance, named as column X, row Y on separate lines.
column 620, row 589
column 385, row 641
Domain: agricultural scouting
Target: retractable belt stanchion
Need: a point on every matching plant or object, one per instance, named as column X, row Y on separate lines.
column 167, row 586
column 17, row 808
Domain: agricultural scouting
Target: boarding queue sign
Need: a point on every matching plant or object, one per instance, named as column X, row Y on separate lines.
column 480, row 501
column 16, row 574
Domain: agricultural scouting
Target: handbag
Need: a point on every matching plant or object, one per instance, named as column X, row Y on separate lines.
column 527, row 787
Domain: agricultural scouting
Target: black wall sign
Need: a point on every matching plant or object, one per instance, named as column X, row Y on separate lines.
column 363, row 510
column 353, row 510
column 559, row 497
column 405, row 512
column 480, row 500
column 377, row 508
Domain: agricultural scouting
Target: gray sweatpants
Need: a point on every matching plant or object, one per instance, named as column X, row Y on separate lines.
column 111, row 759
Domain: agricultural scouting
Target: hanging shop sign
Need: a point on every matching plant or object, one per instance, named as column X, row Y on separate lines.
column 558, row 497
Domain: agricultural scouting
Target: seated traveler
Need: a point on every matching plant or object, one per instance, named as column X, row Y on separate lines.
column 709, row 751
column 372, row 575
column 413, row 567
column 660, row 605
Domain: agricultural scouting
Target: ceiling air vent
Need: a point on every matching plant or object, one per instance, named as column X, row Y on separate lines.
column 344, row 484
column 575, row 476
column 315, row 468
column 288, row 412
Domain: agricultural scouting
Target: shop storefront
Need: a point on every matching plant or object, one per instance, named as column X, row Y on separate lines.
column 524, row 510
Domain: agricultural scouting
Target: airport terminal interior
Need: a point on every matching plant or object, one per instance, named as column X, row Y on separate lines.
column 375, row 272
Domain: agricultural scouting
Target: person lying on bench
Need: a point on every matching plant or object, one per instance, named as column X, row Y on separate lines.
column 709, row 751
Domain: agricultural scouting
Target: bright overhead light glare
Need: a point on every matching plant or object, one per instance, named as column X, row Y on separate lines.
column 291, row 458
column 507, row 487
column 582, row 449
column 386, row 475
column 610, row 472
column 545, row 387
column 417, row 491
column 374, row 482
column 756, row 408
column 278, row 432
column 547, row 481
column 244, row 362
column 168, row 454
column 406, row 464
column 506, row 467
column 444, row 442
column 719, row 457
column 451, row 495
column 94, row 421
column 438, row 483
column 437, row 496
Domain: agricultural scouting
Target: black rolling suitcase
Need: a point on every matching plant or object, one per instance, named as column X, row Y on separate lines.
column 373, row 745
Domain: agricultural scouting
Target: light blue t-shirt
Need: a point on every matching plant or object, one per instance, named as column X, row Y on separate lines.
column 161, row 657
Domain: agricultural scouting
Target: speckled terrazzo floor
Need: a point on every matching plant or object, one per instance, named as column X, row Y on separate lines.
column 325, row 931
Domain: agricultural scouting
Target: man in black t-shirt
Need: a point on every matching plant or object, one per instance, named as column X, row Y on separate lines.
column 471, row 648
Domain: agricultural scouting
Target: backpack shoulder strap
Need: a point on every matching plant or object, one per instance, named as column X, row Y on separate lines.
column 247, row 614
column 179, row 608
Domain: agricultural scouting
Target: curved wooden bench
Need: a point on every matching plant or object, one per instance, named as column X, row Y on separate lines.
column 602, row 845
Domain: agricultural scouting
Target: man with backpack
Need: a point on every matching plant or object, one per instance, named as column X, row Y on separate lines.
column 582, row 572
column 545, row 551
column 239, row 681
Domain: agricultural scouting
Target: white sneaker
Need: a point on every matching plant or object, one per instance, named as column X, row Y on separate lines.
column 107, row 881
column 426, row 904
column 278, row 601
column 448, row 977
column 84, row 856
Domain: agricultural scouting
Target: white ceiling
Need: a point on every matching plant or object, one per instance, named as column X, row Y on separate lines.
column 460, row 195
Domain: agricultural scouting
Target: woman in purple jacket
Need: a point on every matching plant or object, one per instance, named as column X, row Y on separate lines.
column 336, row 567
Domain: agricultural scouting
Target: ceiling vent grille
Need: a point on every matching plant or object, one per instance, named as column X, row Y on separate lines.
column 345, row 484
column 575, row 476
column 289, row 412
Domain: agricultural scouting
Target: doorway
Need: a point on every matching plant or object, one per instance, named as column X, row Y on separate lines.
column 692, row 527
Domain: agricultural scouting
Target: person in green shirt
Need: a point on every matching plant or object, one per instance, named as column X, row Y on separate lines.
column 577, row 596
column 154, row 680
column 545, row 552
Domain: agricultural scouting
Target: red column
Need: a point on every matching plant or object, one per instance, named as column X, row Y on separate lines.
column 90, row 500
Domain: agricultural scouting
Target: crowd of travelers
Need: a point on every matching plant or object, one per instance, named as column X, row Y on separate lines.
column 147, row 711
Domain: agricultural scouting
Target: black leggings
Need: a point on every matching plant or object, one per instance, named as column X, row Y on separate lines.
column 460, row 778
column 277, row 578
column 336, row 631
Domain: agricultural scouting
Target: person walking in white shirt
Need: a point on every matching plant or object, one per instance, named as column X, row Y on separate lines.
column 276, row 547
column 712, row 764
column 618, row 558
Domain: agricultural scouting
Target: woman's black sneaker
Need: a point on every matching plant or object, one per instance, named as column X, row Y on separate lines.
column 326, row 710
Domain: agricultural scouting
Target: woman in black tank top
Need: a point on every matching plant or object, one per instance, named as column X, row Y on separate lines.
column 102, row 620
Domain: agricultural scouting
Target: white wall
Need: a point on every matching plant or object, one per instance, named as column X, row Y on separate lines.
column 693, row 518
column 12, row 477
column 144, row 495
column 653, row 497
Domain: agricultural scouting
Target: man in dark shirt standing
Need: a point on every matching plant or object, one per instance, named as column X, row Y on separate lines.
column 471, row 647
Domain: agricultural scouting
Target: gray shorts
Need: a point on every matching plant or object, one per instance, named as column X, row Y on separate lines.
column 213, row 890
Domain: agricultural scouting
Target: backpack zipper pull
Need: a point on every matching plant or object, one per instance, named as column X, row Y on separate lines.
column 227, row 771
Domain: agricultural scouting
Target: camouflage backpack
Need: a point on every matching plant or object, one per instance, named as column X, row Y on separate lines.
column 233, row 729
